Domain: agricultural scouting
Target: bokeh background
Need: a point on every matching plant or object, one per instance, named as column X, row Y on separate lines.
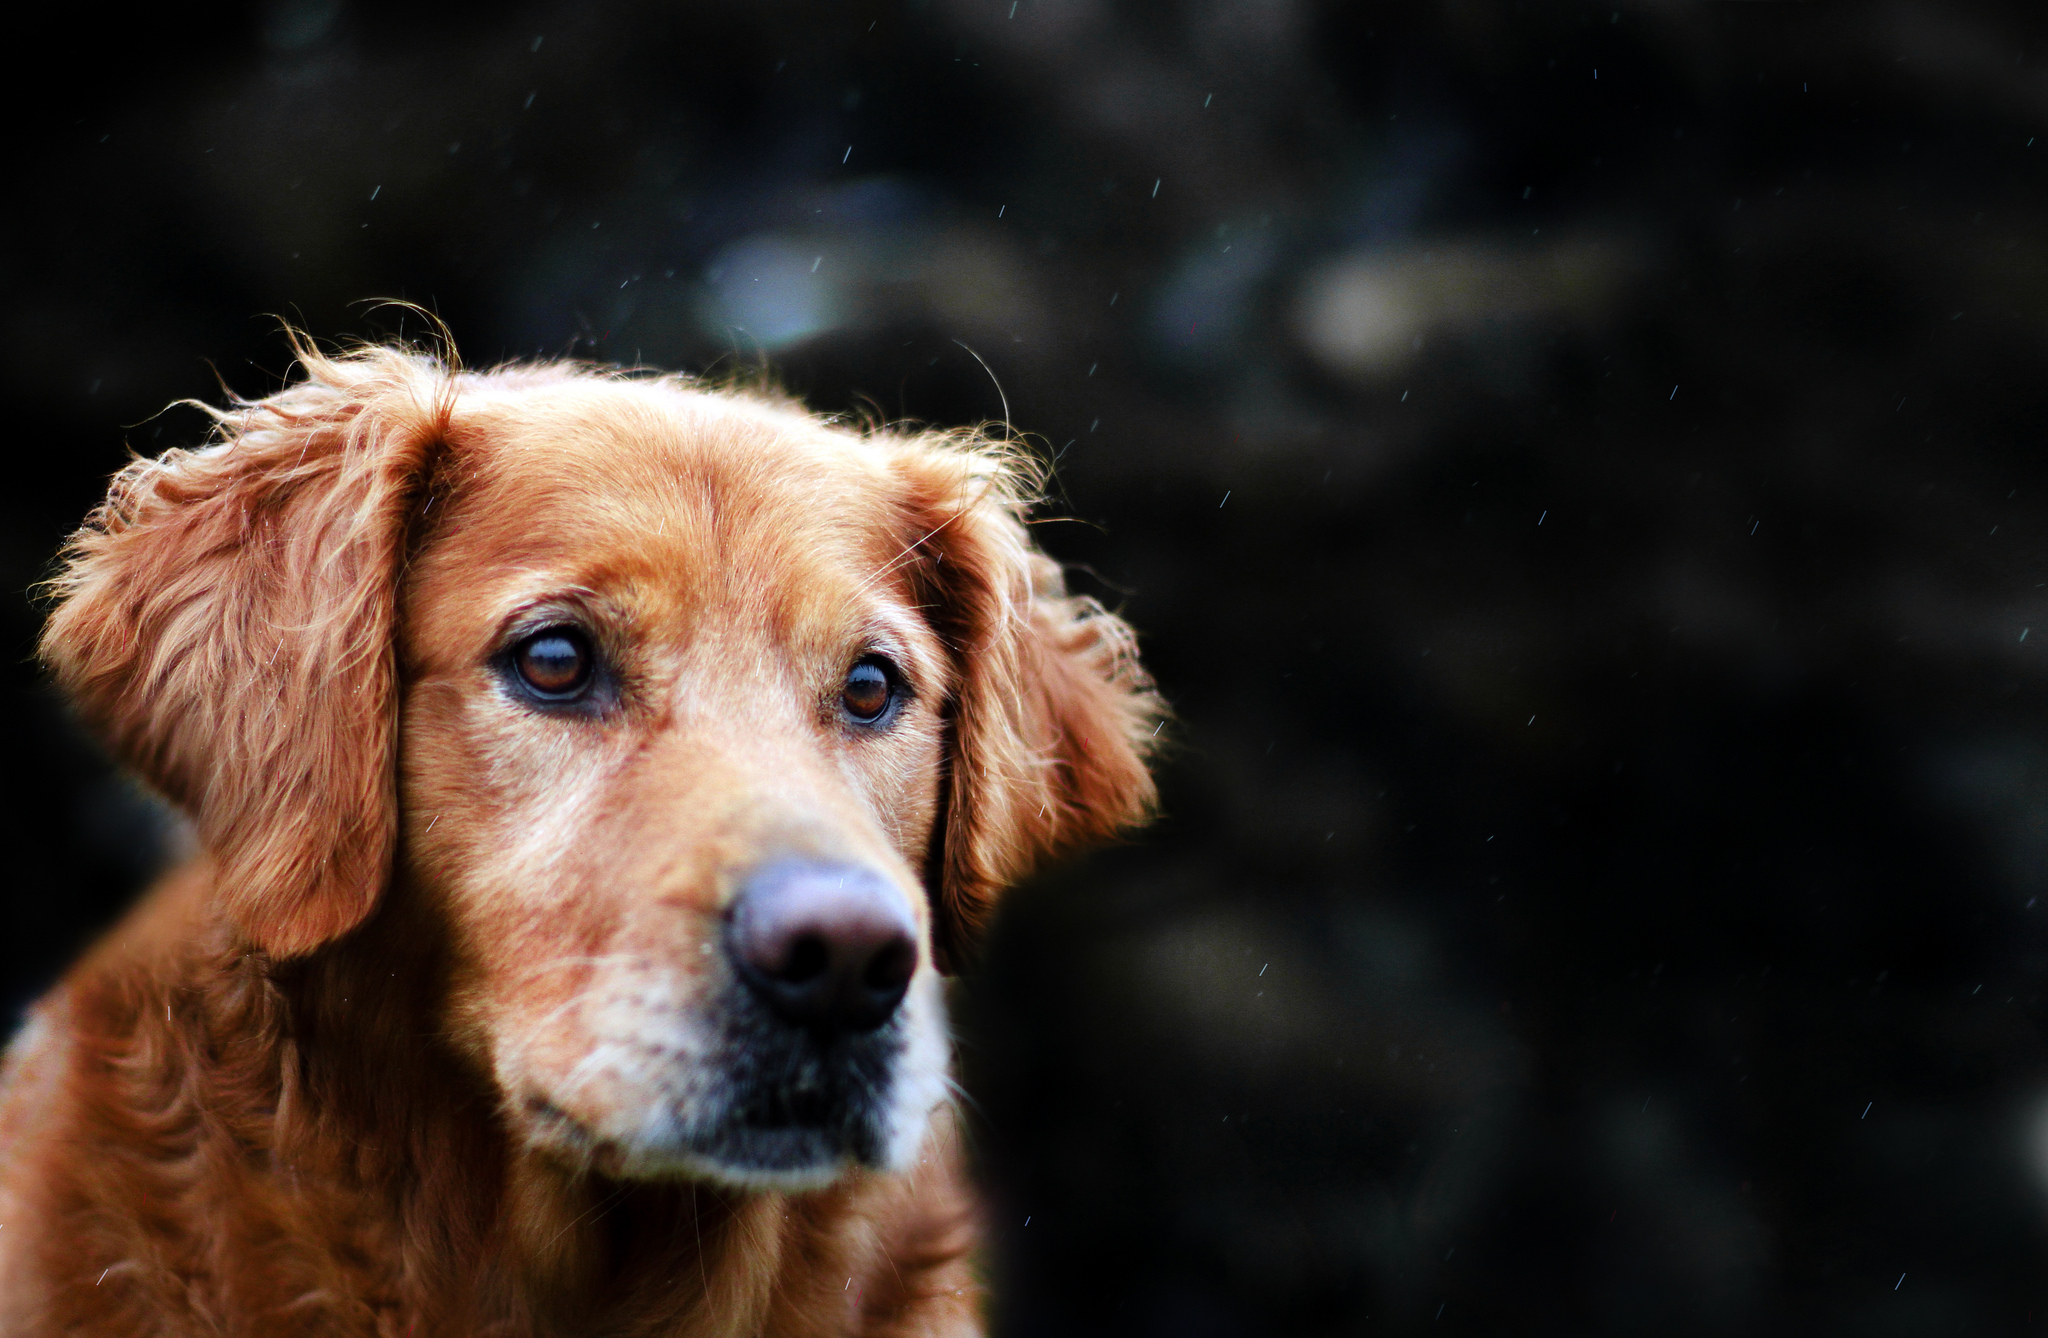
column 1578, row 470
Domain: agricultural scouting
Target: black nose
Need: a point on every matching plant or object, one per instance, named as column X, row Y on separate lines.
column 829, row 947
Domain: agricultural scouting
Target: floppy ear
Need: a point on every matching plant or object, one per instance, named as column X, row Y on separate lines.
column 226, row 624
column 1052, row 717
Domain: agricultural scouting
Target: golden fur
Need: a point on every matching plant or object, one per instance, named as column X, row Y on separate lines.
column 405, row 1051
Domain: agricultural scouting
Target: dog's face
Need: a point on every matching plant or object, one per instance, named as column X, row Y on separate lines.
column 699, row 730
column 648, row 691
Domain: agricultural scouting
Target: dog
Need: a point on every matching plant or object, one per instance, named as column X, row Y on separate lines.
column 593, row 776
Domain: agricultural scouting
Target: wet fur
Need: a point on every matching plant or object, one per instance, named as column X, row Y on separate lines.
column 275, row 1099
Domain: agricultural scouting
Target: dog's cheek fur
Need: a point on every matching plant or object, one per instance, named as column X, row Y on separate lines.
column 522, row 876
column 226, row 624
column 1052, row 717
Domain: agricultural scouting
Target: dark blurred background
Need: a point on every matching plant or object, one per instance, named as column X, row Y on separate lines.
column 1578, row 470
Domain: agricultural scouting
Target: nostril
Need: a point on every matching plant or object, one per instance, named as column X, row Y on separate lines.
column 891, row 967
column 808, row 959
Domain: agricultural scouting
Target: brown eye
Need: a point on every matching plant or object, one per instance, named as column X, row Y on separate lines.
column 554, row 663
column 869, row 687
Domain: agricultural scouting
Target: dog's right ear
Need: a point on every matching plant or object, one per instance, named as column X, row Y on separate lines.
column 1051, row 717
column 226, row 624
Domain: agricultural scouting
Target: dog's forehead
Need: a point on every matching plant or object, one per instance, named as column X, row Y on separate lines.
column 680, row 497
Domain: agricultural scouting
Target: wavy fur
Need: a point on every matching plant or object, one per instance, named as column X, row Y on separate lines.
column 281, row 1096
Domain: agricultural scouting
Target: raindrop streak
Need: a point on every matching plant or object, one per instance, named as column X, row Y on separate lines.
column 1226, row 497
column 1155, row 186
column 1205, row 101
column 999, row 211
column 848, row 154
column 1539, row 519
column 1672, row 396
column 1900, row 1283
column 1866, row 1112
column 373, row 193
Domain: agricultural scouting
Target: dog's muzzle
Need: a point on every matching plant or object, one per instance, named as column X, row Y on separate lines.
column 813, row 1029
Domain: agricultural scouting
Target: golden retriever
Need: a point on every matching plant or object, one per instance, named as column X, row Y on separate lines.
column 593, row 776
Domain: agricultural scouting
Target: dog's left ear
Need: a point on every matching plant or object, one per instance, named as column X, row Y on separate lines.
column 226, row 624
column 1052, row 718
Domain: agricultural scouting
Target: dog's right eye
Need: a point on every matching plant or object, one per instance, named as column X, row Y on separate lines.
column 554, row 664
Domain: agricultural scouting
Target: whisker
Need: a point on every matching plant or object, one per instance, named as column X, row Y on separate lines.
column 962, row 1095
column 909, row 551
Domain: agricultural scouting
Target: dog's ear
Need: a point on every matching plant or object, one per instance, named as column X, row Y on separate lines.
column 226, row 624
column 1052, row 717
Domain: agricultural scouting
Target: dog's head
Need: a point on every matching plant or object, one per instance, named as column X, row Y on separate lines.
column 701, row 728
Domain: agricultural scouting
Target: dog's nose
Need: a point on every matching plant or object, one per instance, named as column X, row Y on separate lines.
column 829, row 947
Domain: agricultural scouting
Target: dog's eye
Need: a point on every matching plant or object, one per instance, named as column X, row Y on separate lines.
column 555, row 663
column 870, row 686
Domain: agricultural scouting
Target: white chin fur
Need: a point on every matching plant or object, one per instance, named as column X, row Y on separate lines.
column 921, row 1074
column 656, row 1147
column 705, row 1170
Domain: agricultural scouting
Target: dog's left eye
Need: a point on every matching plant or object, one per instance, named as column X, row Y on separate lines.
column 555, row 664
column 868, row 691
